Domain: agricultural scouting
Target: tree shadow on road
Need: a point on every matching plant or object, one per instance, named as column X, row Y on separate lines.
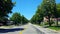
column 10, row 30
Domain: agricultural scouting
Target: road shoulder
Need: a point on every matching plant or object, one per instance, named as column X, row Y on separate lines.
column 46, row 30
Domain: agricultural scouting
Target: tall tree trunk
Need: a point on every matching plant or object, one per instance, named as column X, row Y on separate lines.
column 57, row 22
column 49, row 20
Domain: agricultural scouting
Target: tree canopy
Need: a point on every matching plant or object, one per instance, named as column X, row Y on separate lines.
column 18, row 18
column 5, row 8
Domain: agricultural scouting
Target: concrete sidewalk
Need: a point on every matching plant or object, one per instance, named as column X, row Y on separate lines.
column 45, row 30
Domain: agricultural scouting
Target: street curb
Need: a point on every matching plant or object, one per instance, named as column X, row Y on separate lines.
column 39, row 30
column 51, row 29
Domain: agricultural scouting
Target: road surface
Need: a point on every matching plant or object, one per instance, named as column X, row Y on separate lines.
column 27, row 29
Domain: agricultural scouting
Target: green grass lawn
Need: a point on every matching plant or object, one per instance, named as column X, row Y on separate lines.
column 55, row 28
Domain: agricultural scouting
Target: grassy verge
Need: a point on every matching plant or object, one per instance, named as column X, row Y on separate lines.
column 57, row 28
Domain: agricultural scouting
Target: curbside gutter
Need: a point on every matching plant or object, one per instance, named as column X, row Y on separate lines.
column 44, row 30
column 37, row 28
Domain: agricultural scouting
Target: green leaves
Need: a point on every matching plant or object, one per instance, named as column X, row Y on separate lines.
column 58, row 9
column 47, row 8
column 38, row 17
column 18, row 19
column 5, row 8
column 6, row 0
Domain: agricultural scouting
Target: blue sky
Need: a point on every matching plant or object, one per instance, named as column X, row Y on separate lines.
column 27, row 7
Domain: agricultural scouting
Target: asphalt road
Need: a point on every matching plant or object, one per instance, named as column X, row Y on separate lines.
column 30, row 30
column 25, row 29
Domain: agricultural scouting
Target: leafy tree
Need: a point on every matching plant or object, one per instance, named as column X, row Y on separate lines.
column 33, row 19
column 5, row 8
column 16, row 17
column 49, row 8
column 38, row 17
column 57, row 15
column 58, row 9
column 24, row 20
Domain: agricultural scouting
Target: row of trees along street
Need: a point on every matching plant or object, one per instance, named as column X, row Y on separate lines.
column 19, row 19
column 49, row 9
column 5, row 8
